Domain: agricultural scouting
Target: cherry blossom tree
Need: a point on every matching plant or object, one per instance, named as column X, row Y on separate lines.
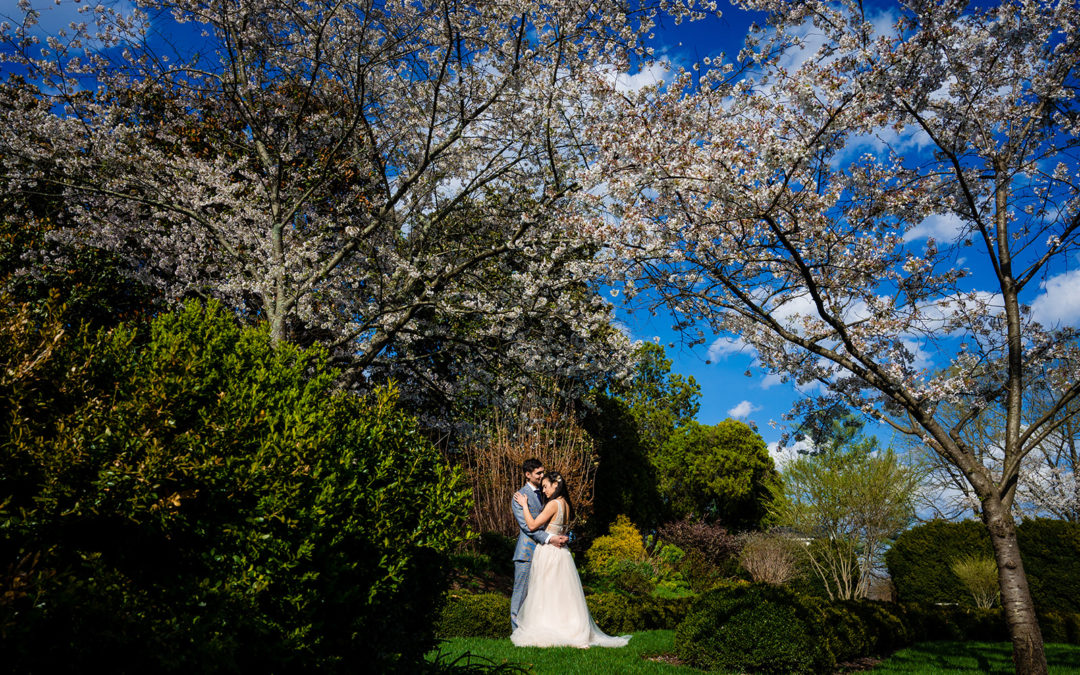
column 371, row 175
column 861, row 198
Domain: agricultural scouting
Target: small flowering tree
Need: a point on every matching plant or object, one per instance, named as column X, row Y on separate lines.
column 866, row 196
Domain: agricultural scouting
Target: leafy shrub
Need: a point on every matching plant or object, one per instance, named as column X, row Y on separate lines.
column 204, row 500
column 756, row 628
column 882, row 624
column 474, row 615
column 700, row 574
column 622, row 543
column 920, row 561
column 617, row 613
column 744, row 628
column 635, row 577
column 847, row 635
column 1051, row 553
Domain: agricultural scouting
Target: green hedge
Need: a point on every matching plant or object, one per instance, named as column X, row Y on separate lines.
column 920, row 561
column 1050, row 550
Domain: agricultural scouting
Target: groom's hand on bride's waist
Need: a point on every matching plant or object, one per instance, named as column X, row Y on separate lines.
column 559, row 540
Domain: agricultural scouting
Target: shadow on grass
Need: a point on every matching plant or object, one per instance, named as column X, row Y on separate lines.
column 973, row 657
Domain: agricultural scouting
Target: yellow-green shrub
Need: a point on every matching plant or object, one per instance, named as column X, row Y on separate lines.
column 622, row 543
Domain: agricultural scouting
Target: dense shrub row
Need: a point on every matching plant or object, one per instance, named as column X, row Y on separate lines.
column 186, row 496
column 769, row 629
column 920, row 561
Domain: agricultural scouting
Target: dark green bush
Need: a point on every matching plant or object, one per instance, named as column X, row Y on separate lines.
column 199, row 499
column 884, row 625
column 619, row 613
column 757, row 629
column 847, row 635
column 474, row 615
column 928, row 622
column 1051, row 553
column 920, row 561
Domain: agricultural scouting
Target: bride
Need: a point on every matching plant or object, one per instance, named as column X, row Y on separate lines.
column 554, row 613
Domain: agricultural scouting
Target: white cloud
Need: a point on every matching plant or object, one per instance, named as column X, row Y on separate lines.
column 770, row 380
column 1060, row 302
column 940, row 226
column 923, row 360
column 882, row 139
column 743, row 409
column 723, row 347
column 791, row 451
column 653, row 74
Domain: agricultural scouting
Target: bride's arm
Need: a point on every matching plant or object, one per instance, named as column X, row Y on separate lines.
column 539, row 521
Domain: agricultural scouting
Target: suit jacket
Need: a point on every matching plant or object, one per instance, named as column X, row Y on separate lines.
column 527, row 540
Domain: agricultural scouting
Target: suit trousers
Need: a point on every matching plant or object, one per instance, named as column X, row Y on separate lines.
column 521, row 587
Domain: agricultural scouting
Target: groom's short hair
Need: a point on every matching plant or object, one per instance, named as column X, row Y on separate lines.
column 530, row 465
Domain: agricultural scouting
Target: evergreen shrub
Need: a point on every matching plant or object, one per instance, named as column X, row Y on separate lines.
column 203, row 500
column 755, row 628
column 920, row 560
column 474, row 615
column 618, row 613
column 761, row 628
column 1050, row 550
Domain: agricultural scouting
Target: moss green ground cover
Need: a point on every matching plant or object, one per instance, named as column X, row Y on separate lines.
column 926, row 658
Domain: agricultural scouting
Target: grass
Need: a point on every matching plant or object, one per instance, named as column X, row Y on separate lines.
column 972, row 657
column 945, row 658
column 561, row 660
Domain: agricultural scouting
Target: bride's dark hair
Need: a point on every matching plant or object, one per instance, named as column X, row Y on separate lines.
column 561, row 490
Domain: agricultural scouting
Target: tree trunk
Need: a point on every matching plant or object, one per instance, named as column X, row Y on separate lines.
column 1028, row 655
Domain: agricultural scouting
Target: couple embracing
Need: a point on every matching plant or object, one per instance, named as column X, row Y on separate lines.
column 548, row 606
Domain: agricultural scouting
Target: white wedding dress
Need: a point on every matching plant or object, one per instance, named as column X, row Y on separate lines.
column 554, row 613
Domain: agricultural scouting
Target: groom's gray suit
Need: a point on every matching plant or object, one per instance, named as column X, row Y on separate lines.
column 526, row 542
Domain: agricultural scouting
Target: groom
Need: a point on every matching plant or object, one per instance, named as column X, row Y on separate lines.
column 527, row 541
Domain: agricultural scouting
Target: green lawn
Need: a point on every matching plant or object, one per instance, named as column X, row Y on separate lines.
column 928, row 657
column 563, row 660
column 973, row 657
